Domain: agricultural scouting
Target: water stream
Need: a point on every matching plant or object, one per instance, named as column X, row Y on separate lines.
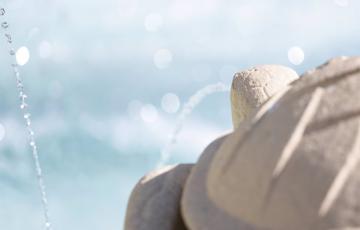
column 27, row 117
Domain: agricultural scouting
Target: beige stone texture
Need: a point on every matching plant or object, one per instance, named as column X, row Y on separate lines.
column 154, row 203
column 251, row 88
column 297, row 165
column 199, row 212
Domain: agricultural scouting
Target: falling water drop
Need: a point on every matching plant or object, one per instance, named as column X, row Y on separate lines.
column 22, row 95
column 48, row 225
column 27, row 119
column 23, row 105
column 22, row 57
column 8, row 38
column 31, row 133
column 4, row 25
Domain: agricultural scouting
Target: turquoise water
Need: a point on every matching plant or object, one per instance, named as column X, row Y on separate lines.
column 95, row 65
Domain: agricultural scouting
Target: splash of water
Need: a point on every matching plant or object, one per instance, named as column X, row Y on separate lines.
column 189, row 106
column 27, row 117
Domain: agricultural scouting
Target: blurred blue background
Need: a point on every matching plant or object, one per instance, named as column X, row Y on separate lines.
column 106, row 80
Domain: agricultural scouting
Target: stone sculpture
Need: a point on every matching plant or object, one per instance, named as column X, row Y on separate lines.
column 292, row 163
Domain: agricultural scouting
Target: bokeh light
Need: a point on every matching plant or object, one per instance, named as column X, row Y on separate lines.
column 22, row 55
column 149, row 113
column 296, row 55
column 163, row 58
column 170, row 103
column 45, row 49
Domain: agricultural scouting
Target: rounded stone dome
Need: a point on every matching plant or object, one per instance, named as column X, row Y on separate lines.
column 296, row 164
column 252, row 87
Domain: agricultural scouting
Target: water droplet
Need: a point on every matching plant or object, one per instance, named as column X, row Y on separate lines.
column 23, row 105
column 22, row 55
column 4, row 25
column 12, row 52
column 8, row 37
column 296, row 55
column 22, row 95
column 48, row 225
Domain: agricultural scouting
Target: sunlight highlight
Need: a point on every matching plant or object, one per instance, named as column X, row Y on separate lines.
column 296, row 55
column 22, row 55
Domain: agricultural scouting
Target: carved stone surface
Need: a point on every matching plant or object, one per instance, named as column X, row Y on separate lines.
column 155, row 201
column 297, row 165
column 199, row 212
column 293, row 163
column 251, row 88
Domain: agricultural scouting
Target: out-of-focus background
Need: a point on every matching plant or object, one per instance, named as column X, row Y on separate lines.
column 107, row 79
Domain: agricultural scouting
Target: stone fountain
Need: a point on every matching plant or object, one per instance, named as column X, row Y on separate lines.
column 291, row 163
